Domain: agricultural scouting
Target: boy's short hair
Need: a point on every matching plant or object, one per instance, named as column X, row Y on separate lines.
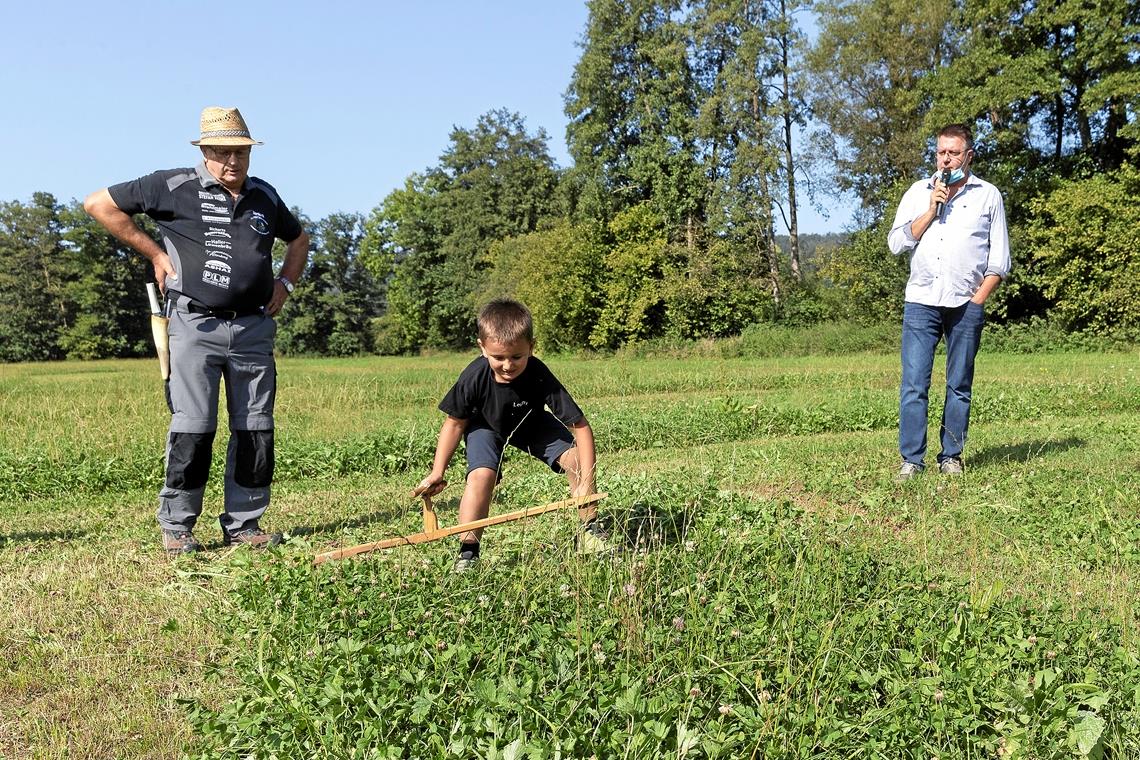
column 506, row 321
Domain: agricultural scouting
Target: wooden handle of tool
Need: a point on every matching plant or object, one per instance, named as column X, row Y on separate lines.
column 426, row 536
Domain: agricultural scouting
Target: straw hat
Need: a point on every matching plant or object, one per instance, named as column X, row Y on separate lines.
column 223, row 126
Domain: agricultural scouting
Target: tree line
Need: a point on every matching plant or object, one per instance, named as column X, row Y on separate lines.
column 695, row 130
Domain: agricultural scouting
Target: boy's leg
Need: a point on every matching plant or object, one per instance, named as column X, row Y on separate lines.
column 548, row 439
column 476, row 501
column 484, row 455
column 569, row 464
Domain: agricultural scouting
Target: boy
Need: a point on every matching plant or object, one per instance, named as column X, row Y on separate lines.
column 499, row 399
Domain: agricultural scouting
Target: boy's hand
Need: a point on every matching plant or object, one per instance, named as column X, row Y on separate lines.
column 430, row 486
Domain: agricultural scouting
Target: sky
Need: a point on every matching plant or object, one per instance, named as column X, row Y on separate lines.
column 350, row 98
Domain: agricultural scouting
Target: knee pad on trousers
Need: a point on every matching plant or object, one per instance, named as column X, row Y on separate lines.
column 188, row 464
column 253, row 466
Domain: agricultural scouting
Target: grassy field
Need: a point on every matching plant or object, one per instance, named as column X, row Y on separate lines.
column 780, row 596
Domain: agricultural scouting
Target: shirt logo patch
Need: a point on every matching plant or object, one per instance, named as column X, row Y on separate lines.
column 217, row 232
column 214, row 208
column 205, row 196
column 259, row 223
column 215, row 279
column 218, row 219
column 218, row 266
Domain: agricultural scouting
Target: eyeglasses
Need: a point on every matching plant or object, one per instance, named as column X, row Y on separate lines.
column 949, row 153
column 223, row 155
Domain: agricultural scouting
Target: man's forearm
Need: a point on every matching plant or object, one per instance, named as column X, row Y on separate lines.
column 102, row 208
column 988, row 286
column 921, row 224
column 296, row 256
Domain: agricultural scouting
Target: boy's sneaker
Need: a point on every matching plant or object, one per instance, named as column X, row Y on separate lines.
column 463, row 564
column 255, row 538
column 177, row 542
column 907, row 471
column 467, row 560
column 951, row 466
column 594, row 539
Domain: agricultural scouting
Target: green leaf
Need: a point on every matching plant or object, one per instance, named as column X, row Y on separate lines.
column 1087, row 733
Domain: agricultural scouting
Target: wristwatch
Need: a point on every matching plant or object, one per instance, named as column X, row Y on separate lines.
column 288, row 285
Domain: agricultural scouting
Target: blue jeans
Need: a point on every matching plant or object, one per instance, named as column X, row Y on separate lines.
column 923, row 326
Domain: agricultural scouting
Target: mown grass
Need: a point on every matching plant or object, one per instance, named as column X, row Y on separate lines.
column 782, row 595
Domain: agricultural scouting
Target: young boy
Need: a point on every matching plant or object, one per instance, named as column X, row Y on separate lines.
column 499, row 399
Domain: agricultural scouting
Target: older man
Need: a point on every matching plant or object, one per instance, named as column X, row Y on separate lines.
column 215, row 267
column 954, row 225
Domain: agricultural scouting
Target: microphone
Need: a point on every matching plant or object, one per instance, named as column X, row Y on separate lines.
column 940, row 205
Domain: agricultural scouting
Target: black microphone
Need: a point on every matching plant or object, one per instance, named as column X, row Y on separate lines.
column 941, row 205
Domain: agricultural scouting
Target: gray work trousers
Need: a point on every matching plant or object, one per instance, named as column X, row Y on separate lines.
column 204, row 352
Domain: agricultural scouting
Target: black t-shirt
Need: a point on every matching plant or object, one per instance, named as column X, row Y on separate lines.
column 476, row 397
column 222, row 250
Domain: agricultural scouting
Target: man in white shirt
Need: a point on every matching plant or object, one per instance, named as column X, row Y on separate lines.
column 954, row 226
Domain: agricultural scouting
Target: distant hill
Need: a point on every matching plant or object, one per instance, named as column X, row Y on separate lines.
column 812, row 245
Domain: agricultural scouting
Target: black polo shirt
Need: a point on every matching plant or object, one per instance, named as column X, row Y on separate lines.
column 222, row 249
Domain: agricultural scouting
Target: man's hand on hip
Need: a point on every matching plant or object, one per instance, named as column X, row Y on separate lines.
column 163, row 268
column 278, row 298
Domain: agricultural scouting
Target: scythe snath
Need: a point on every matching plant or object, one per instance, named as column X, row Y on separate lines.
column 432, row 531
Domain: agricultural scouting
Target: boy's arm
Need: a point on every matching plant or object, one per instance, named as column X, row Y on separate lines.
column 587, row 458
column 449, row 435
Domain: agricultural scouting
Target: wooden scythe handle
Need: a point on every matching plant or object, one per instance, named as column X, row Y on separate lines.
column 433, row 535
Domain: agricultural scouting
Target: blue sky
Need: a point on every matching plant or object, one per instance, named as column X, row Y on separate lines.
column 349, row 97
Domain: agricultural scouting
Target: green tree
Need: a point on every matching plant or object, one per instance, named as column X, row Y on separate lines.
column 1083, row 243
column 867, row 70
column 331, row 308
column 32, row 280
column 558, row 273
column 632, row 109
column 1054, row 82
column 639, row 258
column 493, row 182
column 865, row 282
column 105, row 299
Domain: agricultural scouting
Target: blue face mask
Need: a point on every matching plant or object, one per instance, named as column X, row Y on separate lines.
column 955, row 175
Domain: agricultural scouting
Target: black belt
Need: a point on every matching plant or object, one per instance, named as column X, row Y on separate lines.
column 197, row 308
column 194, row 307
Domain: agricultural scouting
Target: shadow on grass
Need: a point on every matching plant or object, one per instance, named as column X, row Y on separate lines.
column 46, row 536
column 1024, row 452
column 395, row 515
column 643, row 526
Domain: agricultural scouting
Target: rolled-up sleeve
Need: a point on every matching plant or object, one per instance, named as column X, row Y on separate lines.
column 999, row 261
column 900, row 239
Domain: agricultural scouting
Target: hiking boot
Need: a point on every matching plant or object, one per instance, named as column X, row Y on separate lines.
column 951, row 466
column 177, row 542
column 255, row 538
column 594, row 539
column 908, row 471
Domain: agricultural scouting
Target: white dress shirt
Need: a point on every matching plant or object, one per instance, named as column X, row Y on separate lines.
column 959, row 250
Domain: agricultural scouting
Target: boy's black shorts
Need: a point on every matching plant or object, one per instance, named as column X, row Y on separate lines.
column 543, row 437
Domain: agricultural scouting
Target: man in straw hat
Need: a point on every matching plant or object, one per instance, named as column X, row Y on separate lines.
column 218, row 225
